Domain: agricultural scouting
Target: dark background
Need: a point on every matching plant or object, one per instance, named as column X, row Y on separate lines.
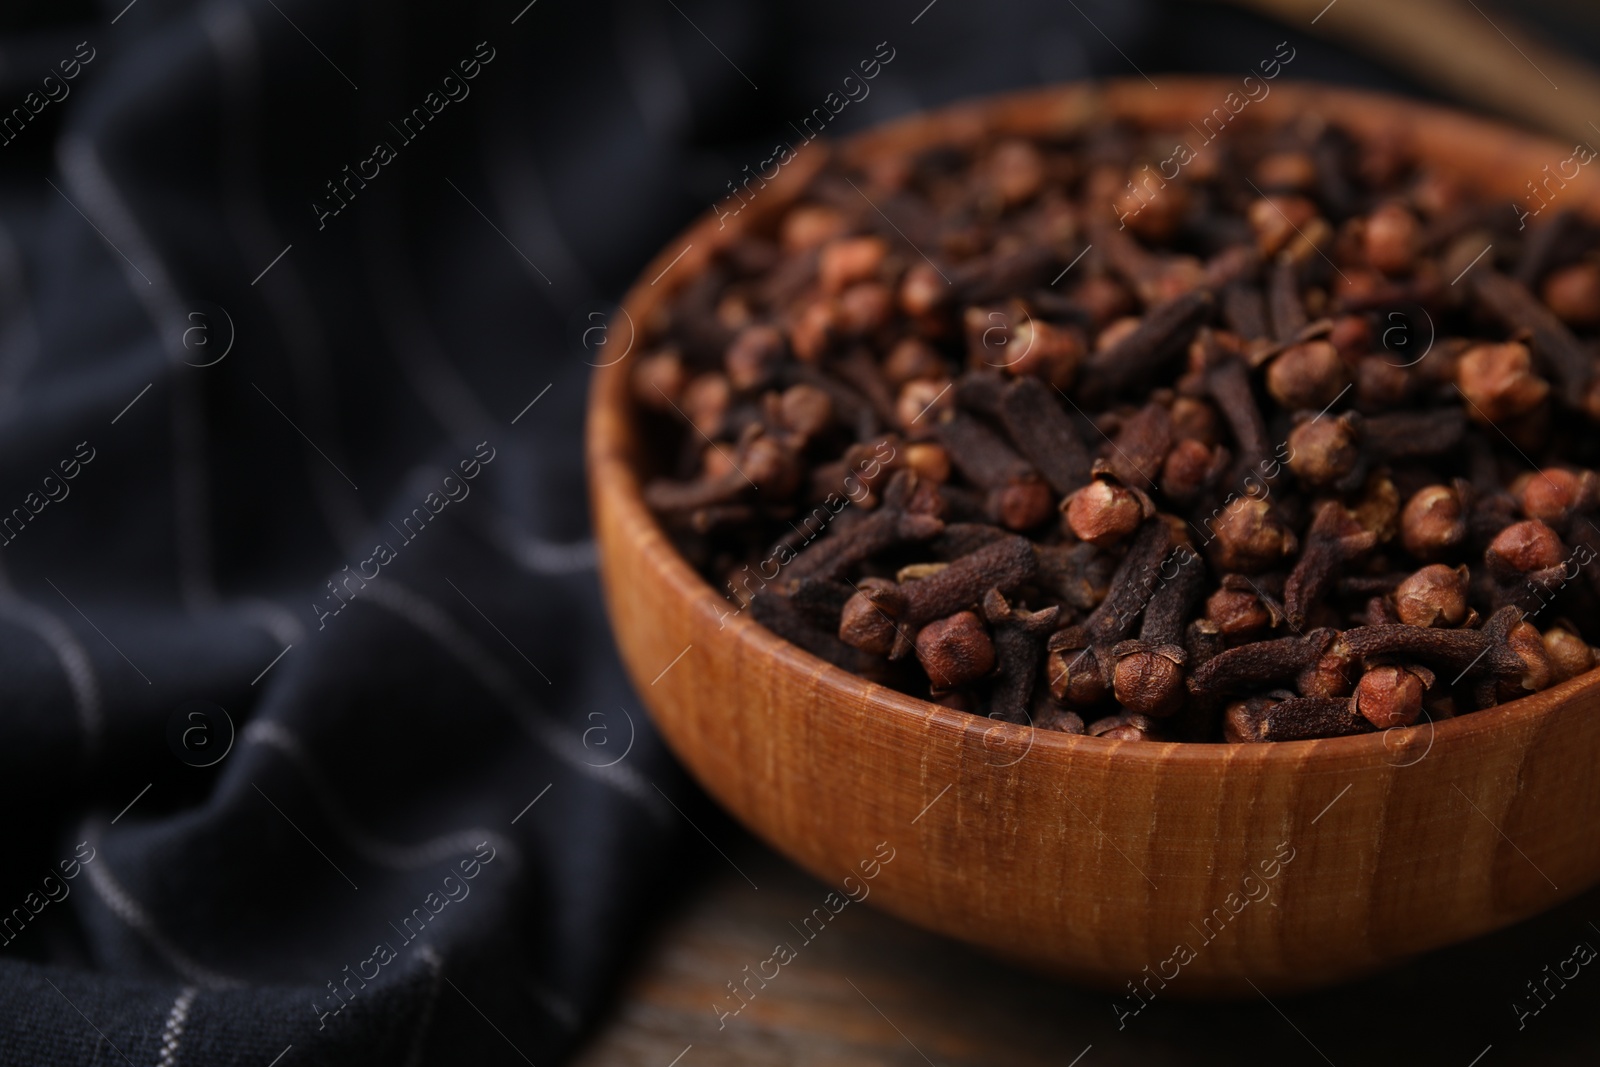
column 372, row 750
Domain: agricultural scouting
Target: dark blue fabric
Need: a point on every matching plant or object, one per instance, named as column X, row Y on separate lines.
column 170, row 202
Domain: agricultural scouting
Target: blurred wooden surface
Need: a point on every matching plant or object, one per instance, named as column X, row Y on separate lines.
column 1483, row 56
column 869, row 989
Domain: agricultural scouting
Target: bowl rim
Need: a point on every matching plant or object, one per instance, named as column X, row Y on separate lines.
column 612, row 448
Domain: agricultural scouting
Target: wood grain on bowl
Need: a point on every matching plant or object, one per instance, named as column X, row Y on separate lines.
column 1287, row 865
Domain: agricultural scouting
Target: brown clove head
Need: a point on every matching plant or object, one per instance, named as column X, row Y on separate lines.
column 753, row 356
column 1526, row 642
column 1190, row 467
column 1022, row 505
column 929, row 461
column 1324, row 450
column 805, row 411
column 1573, row 293
column 920, row 403
column 1524, row 547
column 1047, row 351
column 1391, row 237
column 1499, row 382
column 913, row 358
column 1128, row 726
column 1568, row 654
column 1309, row 375
column 1238, row 611
column 1331, row 676
column 659, row 379
column 1250, row 537
column 1149, row 679
column 870, row 619
column 848, row 260
column 1072, row 670
column 1553, row 494
column 1433, row 522
column 772, row 467
column 923, row 291
column 1054, row 718
column 955, row 651
column 1105, row 511
column 1390, row 696
column 1277, row 219
column 1436, row 595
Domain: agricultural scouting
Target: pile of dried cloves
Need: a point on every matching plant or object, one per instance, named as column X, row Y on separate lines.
column 1293, row 444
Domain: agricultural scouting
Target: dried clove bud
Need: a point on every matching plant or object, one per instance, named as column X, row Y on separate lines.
column 1240, row 611
column 1434, row 521
column 1455, row 653
column 868, row 619
column 1059, row 720
column 1573, row 293
column 1414, row 434
column 874, row 619
column 1141, row 445
column 908, row 513
column 1558, row 350
column 1332, row 675
column 1019, row 638
column 920, row 405
column 1258, row 665
column 1161, row 333
column 1436, row 595
column 1018, row 498
column 1309, row 375
column 659, row 380
column 1191, row 467
column 1523, row 548
column 805, row 411
column 928, row 461
column 1249, row 537
column 955, row 651
column 1324, row 451
column 1391, row 238
column 1499, row 382
column 1079, row 661
column 913, row 358
column 1295, row 719
column 1568, row 654
column 1148, row 675
column 753, row 357
column 922, row 291
column 1553, row 494
column 1105, row 511
column 1049, row 352
column 1043, row 432
column 1128, row 726
column 849, row 260
column 1392, row 696
column 1525, row 641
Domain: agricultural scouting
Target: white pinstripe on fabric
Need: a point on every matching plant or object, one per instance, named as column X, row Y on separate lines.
column 74, row 659
column 233, row 40
column 122, row 905
column 96, row 195
column 177, row 1020
column 370, row 847
column 431, row 620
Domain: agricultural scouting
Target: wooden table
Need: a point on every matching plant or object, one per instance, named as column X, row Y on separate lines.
column 868, row 989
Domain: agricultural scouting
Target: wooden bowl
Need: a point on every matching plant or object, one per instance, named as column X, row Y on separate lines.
column 1203, row 868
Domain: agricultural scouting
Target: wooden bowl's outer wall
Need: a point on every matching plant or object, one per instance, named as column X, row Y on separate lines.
column 1088, row 857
